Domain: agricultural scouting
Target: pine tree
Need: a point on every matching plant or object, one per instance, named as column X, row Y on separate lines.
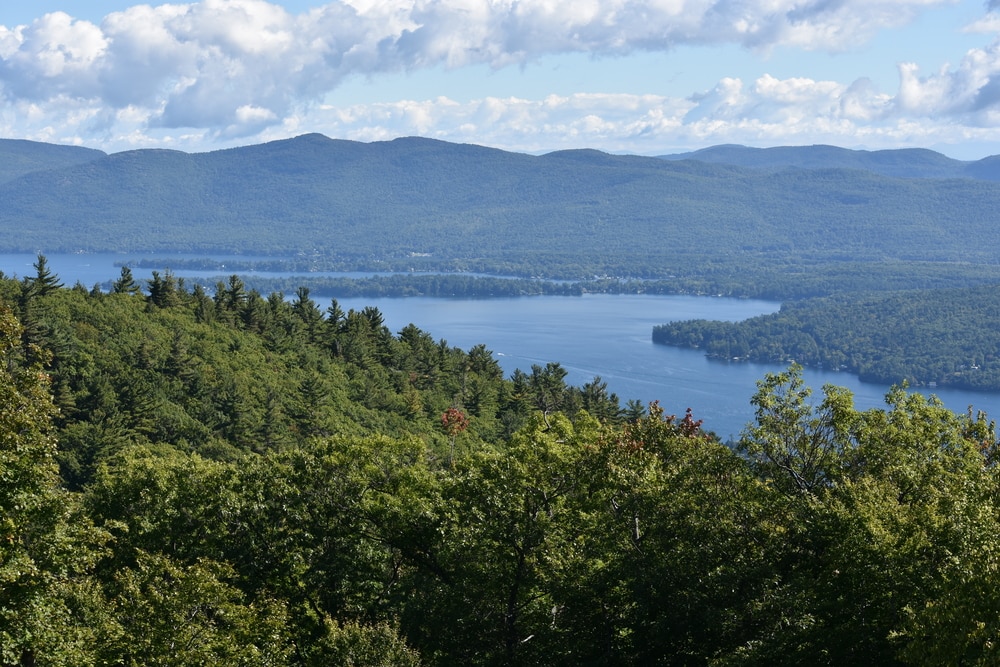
column 126, row 283
column 44, row 281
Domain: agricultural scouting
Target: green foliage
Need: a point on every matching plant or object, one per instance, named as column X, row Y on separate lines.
column 173, row 614
column 866, row 552
column 928, row 337
column 126, row 283
column 256, row 482
column 237, row 371
column 46, row 546
column 354, row 645
column 44, row 282
column 793, row 444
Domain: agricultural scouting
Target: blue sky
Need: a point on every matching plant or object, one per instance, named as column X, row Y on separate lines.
column 528, row 75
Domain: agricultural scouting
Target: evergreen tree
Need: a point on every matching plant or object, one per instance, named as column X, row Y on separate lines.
column 126, row 283
column 44, row 281
column 163, row 290
column 204, row 308
column 309, row 315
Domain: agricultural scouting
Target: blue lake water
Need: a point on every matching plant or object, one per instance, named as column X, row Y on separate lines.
column 597, row 334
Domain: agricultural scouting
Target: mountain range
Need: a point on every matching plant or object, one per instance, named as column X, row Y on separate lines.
column 450, row 204
column 897, row 163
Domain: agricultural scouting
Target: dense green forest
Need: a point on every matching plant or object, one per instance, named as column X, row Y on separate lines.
column 395, row 285
column 228, row 478
column 945, row 337
column 766, row 280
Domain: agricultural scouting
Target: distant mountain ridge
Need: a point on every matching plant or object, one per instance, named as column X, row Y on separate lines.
column 575, row 212
column 19, row 157
column 895, row 163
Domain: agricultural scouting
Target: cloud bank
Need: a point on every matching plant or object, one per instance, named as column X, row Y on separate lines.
column 231, row 70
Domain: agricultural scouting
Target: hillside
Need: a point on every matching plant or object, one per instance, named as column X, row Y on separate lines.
column 564, row 214
column 243, row 480
column 943, row 337
column 898, row 163
column 19, row 157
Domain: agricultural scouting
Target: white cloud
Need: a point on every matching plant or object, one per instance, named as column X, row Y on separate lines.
column 724, row 102
column 989, row 24
column 226, row 70
column 767, row 110
column 54, row 56
column 968, row 93
column 196, row 65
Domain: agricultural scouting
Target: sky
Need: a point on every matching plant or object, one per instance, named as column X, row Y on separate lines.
column 622, row 76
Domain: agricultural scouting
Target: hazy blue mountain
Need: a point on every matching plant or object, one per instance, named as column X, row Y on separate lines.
column 610, row 213
column 987, row 169
column 19, row 157
column 900, row 163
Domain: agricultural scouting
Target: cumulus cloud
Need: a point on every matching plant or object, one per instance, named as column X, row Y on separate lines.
column 198, row 65
column 765, row 111
column 761, row 112
column 56, row 56
column 969, row 92
column 228, row 70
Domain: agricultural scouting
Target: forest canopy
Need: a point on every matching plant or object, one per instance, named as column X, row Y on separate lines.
column 228, row 478
column 945, row 337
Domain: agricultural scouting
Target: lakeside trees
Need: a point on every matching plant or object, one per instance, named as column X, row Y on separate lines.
column 789, row 278
column 948, row 337
column 254, row 482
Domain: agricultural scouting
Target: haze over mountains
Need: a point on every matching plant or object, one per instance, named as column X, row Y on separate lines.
column 628, row 215
column 22, row 157
column 900, row 163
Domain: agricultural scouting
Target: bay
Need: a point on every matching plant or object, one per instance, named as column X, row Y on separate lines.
column 594, row 335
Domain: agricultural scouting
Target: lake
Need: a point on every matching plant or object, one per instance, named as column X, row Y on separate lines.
column 596, row 334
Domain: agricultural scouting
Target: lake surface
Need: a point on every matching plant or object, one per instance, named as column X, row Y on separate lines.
column 596, row 334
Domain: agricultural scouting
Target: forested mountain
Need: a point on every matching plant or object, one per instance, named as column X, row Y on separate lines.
column 896, row 163
column 195, row 478
column 19, row 157
column 436, row 205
